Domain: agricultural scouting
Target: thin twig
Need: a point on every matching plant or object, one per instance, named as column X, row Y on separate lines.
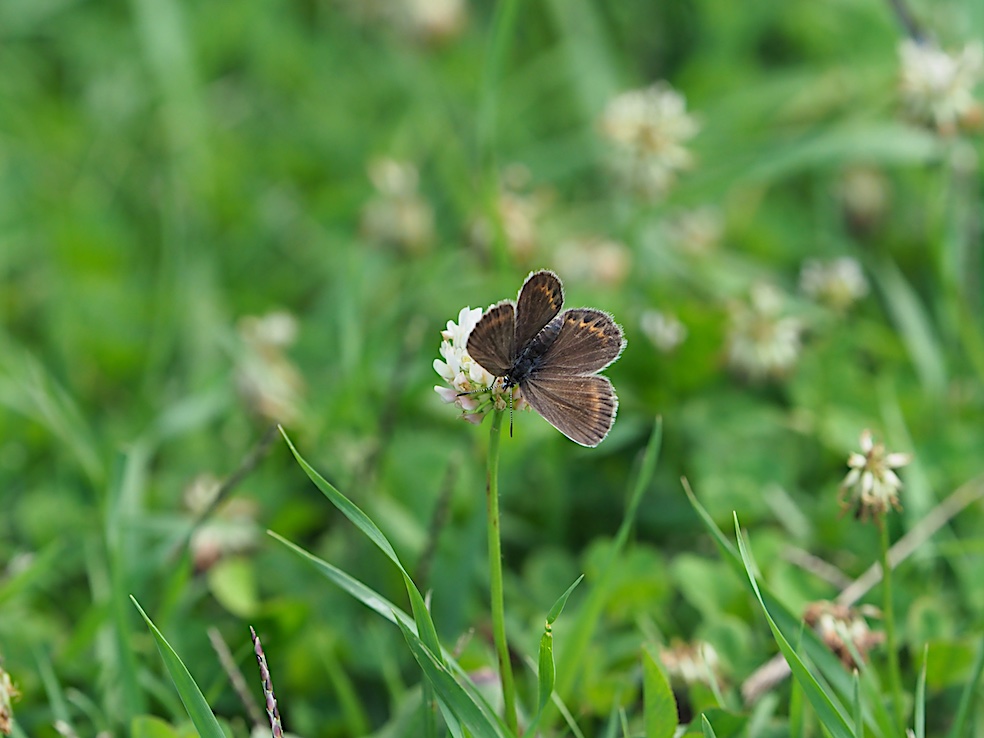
column 249, row 462
column 235, row 675
column 816, row 566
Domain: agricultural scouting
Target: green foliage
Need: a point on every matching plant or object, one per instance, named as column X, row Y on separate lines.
column 197, row 244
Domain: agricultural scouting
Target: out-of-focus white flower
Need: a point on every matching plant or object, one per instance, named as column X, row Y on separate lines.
column 518, row 211
column 663, row 329
column 647, row 130
column 937, row 87
column 838, row 283
column 398, row 215
column 864, row 195
column 691, row 663
column 696, row 231
column 872, row 486
column 596, row 260
column 230, row 529
column 427, row 21
column 470, row 387
column 762, row 343
column 840, row 625
column 267, row 380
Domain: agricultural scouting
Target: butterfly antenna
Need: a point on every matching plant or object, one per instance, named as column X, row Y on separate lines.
column 510, row 414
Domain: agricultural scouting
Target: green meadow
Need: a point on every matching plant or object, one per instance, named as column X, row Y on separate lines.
column 232, row 237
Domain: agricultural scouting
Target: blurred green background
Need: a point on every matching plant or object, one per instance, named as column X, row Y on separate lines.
column 216, row 216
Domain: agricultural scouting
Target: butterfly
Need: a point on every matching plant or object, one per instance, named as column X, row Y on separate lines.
column 553, row 356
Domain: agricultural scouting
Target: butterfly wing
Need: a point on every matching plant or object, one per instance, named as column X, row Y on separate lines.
column 587, row 342
column 540, row 299
column 491, row 340
column 582, row 408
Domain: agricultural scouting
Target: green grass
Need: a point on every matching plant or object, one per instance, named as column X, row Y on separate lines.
column 169, row 169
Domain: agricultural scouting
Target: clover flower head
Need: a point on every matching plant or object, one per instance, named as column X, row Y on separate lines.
column 516, row 213
column 469, row 386
column 697, row 231
column 397, row 215
column 872, row 486
column 839, row 625
column 664, row 330
column 937, row 87
column 647, row 130
column 762, row 342
column 594, row 259
column 838, row 283
column 8, row 695
column 691, row 663
column 266, row 379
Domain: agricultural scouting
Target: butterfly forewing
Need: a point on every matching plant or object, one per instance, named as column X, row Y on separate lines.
column 491, row 339
column 540, row 299
column 587, row 342
column 582, row 408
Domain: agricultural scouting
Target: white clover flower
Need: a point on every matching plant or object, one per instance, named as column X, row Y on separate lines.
column 664, row 330
column 696, row 231
column 762, row 342
column 872, row 485
column 8, row 695
column 691, row 663
column 597, row 260
column 398, row 215
column 838, row 283
column 937, row 88
column 470, row 387
column 518, row 212
column 838, row 626
column 267, row 380
column 647, row 130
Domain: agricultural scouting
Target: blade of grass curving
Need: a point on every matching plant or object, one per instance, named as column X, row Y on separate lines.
column 967, row 697
column 425, row 624
column 914, row 326
column 192, row 697
column 368, row 597
column 818, row 653
column 705, row 725
column 587, row 620
column 546, row 667
column 377, row 603
column 858, row 713
column 474, row 715
column 830, row 713
column 797, row 713
column 919, row 709
column 503, row 31
column 658, row 705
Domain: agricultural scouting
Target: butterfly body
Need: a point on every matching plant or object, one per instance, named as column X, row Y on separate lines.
column 553, row 356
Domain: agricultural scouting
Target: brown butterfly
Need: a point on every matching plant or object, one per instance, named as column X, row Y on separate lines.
column 553, row 356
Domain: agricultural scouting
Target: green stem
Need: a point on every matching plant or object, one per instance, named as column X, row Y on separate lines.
column 495, row 576
column 888, row 618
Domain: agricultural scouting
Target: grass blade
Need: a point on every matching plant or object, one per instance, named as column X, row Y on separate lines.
column 473, row 714
column 967, row 697
column 919, row 709
column 425, row 625
column 830, row 713
column 659, row 707
column 192, row 697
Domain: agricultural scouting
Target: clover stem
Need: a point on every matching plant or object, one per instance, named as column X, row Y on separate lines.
column 495, row 576
column 888, row 618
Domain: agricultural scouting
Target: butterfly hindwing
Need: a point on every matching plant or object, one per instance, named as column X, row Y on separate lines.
column 582, row 408
column 587, row 342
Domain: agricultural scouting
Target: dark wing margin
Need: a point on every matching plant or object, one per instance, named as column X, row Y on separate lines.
column 540, row 299
column 491, row 340
column 588, row 341
column 582, row 408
